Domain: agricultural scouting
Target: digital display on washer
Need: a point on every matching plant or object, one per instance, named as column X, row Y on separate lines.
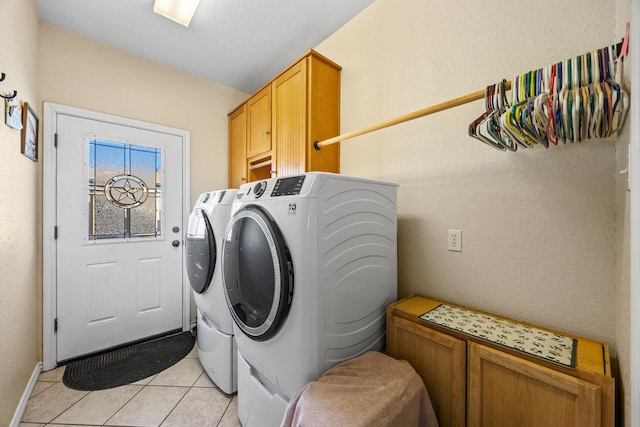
column 289, row 186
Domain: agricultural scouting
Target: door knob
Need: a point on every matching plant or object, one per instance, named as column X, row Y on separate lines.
column 176, row 229
column 175, row 243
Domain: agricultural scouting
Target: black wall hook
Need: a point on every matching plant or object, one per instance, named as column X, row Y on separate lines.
column 10, row 97
column 7, row 97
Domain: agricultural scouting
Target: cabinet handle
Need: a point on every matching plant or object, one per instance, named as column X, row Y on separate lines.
column 266, row 132
column 243, row 179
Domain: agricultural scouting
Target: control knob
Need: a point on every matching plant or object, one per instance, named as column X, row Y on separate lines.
column 259, row 189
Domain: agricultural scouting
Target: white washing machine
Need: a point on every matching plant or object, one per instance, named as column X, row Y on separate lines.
column 203, row 244
column 309, row 266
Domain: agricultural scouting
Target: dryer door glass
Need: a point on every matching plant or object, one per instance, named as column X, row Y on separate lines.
column 257, row 272
column 200, row 248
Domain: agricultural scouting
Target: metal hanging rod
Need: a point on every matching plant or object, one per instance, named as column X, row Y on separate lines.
column 475, row 96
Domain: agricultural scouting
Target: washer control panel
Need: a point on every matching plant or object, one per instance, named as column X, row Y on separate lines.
column 273, row 187
column 289, row 186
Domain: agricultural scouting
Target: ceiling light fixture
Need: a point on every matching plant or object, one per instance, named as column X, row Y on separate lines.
column 180, row 11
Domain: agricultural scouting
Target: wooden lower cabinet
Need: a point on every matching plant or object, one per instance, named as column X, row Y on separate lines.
column 506, row 391
column 472, row 382
column 440, row 360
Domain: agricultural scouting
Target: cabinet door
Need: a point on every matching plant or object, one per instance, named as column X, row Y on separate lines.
column 506, row 391
column 238, row 147
column 439, row 359
column 289, row 119
column 323, row 107
column 259, row 123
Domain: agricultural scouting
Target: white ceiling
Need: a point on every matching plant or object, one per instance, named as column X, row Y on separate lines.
column 238, row 43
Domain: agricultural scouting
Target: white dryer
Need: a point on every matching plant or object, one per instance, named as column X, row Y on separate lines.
column 309, row 266
column 203, row 243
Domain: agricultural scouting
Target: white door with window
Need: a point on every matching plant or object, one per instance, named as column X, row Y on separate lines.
column 118, row 234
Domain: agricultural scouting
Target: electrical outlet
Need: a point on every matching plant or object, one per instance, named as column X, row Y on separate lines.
column 454, row 240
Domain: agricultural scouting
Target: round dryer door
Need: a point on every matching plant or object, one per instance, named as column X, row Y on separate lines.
column 200, row 249
column 257, row 272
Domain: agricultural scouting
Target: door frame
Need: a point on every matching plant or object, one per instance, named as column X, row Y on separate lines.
column 634, row 213
column 49, row 196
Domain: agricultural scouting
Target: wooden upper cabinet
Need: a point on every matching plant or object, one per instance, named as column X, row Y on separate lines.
column 323, row 109
column 289, row 119
column 259, row 123
column 285, row 117
column 306, row 108
column 238, row 147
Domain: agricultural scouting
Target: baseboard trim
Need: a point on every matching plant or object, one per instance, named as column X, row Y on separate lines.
column 22, row 405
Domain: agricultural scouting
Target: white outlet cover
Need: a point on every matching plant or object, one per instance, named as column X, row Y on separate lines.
column 454, row 240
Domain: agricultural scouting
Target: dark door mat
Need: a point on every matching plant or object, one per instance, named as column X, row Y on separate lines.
column 128, row 364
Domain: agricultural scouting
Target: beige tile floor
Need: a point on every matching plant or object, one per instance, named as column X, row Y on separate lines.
column 180, row 396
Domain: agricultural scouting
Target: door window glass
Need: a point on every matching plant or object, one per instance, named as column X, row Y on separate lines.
column 124, row 191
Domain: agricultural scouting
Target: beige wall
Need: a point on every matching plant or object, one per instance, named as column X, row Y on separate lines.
column 540, row 228
column 45, row 63
column 19, row 211
column 82, row 73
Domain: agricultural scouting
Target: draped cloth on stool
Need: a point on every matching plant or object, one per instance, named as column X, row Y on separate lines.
column 370, row 390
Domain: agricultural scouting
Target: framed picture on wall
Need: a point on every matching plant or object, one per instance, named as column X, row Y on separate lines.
column 29, row 144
